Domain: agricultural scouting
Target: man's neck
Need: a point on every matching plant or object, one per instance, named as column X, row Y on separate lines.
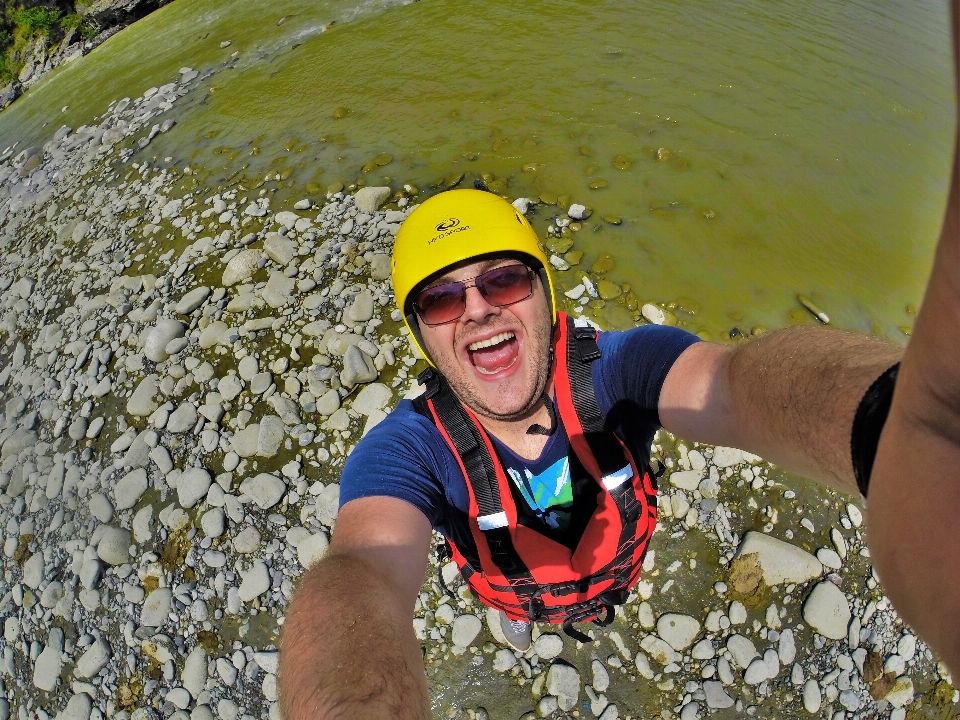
column 513, row 433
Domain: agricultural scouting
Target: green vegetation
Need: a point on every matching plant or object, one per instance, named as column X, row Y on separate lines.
column 21, row 25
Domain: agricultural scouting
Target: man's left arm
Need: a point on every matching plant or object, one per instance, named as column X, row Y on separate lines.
column 789, row 396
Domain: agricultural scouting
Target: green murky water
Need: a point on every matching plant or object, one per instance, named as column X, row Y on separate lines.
column 803, row 147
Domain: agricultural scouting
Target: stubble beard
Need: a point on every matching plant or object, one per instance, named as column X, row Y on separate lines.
column 504, row 407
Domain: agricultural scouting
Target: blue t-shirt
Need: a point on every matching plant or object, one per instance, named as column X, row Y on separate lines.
column 406, row 457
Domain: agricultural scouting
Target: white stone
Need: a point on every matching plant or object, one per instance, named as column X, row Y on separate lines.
column 653, row 314
column 192, row 300
column 737, row 613
column 373, row 397
column 827, row 611
column 901, row 694
column 727, row 456
column 255, row 581
column 129, row 488
column 601, row 678
column 156, row 607
column 78, row 707
column 34, row 571
column 743, row 650
column 46, row 668
column 369, row 199
column 780, row 562
column 213, row 522
column 503, row 660
column 194, row 675
column 756, row 672
column 183, row 418
column 179, row 697
column 114, row 546
column 311, row 549
column 91, row 662
column 679, row 631
column 548, row 646
column 703, row 650
column 141, row 403
column 907, row 647
column 270, row 436
column 264, row 489
column 563, row 682
column 829, row 558
column 577, row 212
column 856, row 517
column 192, row 486
column 241, row 266
column 811, row 696
column 158, row 336
column 686, row 479
column 717, row 698
column 143, row 524
column 787, row 648
column 465, row 630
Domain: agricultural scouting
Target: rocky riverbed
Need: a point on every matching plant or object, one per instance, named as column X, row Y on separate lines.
column 183, row 370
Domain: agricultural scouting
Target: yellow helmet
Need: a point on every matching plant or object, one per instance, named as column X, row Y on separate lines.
column 454, row 226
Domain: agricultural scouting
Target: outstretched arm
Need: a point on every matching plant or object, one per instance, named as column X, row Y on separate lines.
column 348, row 648
column 915, row 487
column 789, row 396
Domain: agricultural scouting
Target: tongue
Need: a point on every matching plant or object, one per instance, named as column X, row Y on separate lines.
column 496, row 357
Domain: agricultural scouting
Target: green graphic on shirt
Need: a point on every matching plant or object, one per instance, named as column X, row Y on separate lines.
column 549, row 494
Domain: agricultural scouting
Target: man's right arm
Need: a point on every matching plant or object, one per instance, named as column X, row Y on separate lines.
column 348, row 647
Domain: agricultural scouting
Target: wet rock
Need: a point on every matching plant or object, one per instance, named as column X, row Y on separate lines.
column 192, row 486
column 141, row 402
column 827, row 611
column 563, row 682
column 156, row 607
column 270, row 436
column 265, row 489
column 548, row 646
column 465, row 630
column 93, row 660
column 601, row 679
column 159, row 336
column 369, row 199
column 358, row 368
column 255, row 581
column 183, row 418
column 192, row 300
column 114, row 546
column 129, row 488
column 779, row 561
column 241, row 266
column 716, row 696
column 653, row 314
column 678, row 630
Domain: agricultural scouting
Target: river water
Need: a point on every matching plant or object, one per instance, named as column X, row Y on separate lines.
column 734, row 155
column 804, row 145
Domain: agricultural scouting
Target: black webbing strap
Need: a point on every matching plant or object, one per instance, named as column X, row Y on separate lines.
column 482, row 477
column 582, row 350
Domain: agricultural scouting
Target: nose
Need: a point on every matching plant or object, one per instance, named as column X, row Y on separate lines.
column 478, row 309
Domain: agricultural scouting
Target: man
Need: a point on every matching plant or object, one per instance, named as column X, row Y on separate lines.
column 812, row 401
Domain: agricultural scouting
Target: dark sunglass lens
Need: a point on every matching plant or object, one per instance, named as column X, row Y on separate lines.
column 441, row 303
column 506, row 285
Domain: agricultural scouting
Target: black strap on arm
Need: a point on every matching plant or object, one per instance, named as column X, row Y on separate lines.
column 868, row 424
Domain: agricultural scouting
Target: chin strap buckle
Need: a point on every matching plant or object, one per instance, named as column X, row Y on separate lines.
column 430, row 379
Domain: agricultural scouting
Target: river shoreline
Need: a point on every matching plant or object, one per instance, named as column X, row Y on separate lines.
column 183, row 370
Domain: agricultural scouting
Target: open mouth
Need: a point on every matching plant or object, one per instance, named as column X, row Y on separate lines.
column 494, row 354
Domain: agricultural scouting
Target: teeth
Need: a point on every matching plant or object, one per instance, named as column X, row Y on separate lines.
column 490, row 342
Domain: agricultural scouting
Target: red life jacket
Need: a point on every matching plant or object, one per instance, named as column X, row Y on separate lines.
column 517, row 569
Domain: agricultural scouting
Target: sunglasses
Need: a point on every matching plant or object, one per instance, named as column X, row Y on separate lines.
column 439, row 304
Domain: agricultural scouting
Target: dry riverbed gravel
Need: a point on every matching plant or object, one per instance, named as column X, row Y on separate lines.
column 182, row 374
